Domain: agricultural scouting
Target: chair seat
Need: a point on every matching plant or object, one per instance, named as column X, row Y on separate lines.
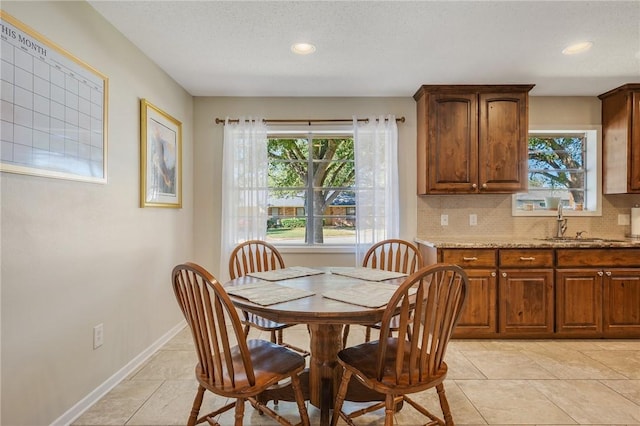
column 271, row 363
column 263, row 323
column 361, row 360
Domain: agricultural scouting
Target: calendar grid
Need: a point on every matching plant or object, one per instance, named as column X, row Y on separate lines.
column 52, row 108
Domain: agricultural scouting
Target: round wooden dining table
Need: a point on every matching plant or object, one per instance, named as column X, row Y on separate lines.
column 325, row 318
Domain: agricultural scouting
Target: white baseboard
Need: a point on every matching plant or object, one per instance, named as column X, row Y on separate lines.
column 85, row 403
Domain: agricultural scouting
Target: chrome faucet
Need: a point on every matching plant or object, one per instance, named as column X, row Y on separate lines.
column 562, row 223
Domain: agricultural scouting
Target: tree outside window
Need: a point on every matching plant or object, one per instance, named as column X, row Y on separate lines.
column 561, row 170
column 311, row 183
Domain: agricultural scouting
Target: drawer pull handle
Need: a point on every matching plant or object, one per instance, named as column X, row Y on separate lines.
column 527, row 258
column 469, row 259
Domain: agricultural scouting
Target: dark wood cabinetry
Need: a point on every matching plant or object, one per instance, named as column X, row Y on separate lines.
column 598, row 292
column 621, row 302
column 526, row 302
column 621, row 140
column 525, row 292
column 479, row 316
column 472, row 139
column 548, row 292
column 579, row 302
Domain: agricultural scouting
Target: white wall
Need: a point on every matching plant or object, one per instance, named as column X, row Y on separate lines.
column 208, row 161
column 77, row 254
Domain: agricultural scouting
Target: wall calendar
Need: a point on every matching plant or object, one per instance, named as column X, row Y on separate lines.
column 53, row 110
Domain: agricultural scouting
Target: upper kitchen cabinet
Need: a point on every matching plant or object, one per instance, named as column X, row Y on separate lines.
column 621, row 140
column 472, row 138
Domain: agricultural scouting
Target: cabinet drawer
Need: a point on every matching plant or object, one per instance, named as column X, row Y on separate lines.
column 609, row 257
column 470, row 258
column 527, row 258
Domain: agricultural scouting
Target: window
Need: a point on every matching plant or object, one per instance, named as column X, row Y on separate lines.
column 311, row 187
column 563, row 169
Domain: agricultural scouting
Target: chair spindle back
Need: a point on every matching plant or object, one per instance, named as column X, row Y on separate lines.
column 254, row 256
column 429, row 302
column 209, row 311
column 394, row 255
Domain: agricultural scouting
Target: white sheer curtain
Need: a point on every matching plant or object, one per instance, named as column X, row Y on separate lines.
column 244, row 186
column 377, row 198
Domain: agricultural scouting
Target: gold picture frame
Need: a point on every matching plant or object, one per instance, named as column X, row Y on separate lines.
column 160, row 158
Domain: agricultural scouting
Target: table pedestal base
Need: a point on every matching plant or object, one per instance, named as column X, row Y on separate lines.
column 321, row 380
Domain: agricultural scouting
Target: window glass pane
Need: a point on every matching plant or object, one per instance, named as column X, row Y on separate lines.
column 557, row 172
column 312, row 194
column 289, row 224
column 288, row 162
column 332, row 223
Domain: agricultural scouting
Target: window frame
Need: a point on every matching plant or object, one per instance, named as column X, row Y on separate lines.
column 321, row 132
column 593, row 172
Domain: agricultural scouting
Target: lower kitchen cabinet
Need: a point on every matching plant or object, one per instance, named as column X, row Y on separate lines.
column 535, row 292
column 479, row 315
column 621, row 303
column 525, row 292
column 602, row 300
column 579, row 302
column 526, row 302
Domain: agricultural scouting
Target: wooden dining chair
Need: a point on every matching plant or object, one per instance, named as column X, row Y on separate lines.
column 242, row 371
column 390, row 255
column 259, row 256
column 429, row 302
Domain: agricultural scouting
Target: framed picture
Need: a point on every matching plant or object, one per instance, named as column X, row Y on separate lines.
column 160, row 158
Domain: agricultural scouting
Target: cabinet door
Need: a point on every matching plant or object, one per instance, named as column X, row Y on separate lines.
column 453, row 143
column 479, row 317
column 503, row 142
column 621, row 140
column 579, row 302
column 621, row 303
column 526, row 302
column 634, row 144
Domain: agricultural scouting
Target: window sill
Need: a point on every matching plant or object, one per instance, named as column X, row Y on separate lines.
column 553, row 213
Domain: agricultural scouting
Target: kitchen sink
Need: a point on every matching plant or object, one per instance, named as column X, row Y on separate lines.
column 580, row 240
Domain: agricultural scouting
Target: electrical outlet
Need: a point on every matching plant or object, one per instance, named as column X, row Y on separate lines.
column 444, row 220
column 624, row 219
column 98, row 336
column 473, row 219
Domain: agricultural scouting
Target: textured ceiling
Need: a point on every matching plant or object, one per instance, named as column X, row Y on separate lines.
column 383, row 48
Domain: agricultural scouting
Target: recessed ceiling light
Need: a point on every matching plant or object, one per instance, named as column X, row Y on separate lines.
column 577, row 48
column 303, row 48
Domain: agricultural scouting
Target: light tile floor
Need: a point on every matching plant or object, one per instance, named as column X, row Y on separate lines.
column 495, row 382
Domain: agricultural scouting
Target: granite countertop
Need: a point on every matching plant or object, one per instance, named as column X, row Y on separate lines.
column 515, row 242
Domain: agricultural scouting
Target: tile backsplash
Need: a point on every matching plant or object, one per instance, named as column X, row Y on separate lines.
column 494, row 217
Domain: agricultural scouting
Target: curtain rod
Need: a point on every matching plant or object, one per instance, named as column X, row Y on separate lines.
column 305, row 120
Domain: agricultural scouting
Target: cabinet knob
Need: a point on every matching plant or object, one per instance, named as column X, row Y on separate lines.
column 493, row 274
column 608, row 273
column 504, row 274
column 600, row 273
column 484, row 186
column 474, row 186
